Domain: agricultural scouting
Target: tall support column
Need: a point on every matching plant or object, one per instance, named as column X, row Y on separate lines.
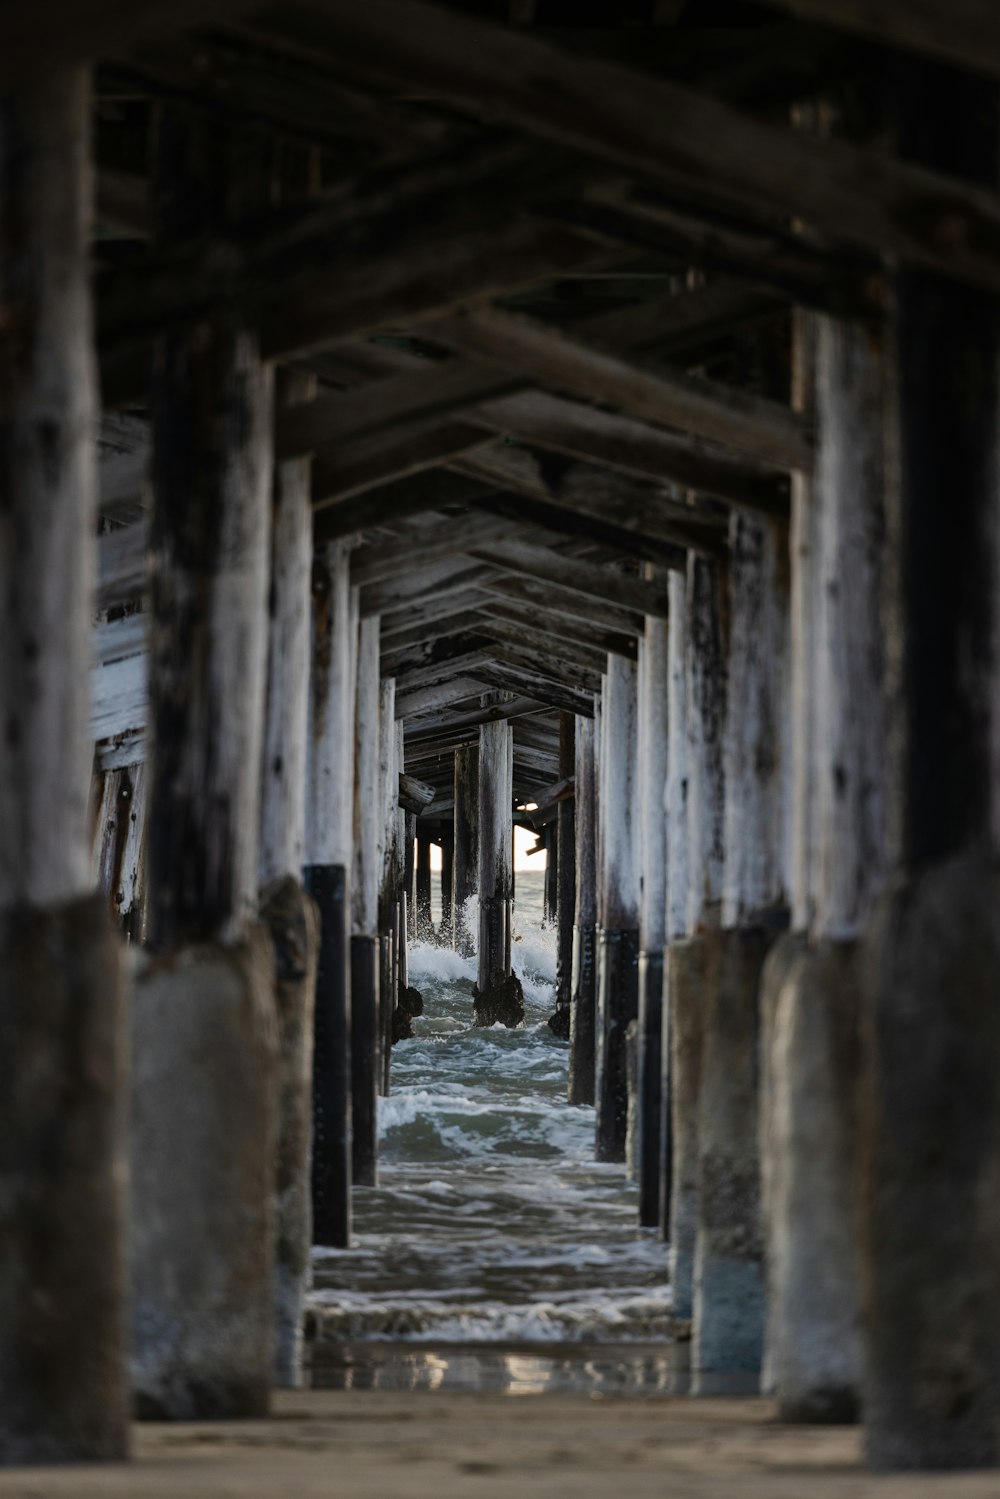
column 566, row 894
column 728, row 1272
column 286, row 909
column 618, row 904
column 705, row 692
column 811, row 1050
column 466, row 865
column 677, row 882
column 931, row 1111
column 365, row 957
column 423, row 884
column 205, row 1059
column 498, row 995
column 447, row 877
column 63, row 1063
column 388, row 862
column 329, row 848
column 654, row 705
column 584, row 996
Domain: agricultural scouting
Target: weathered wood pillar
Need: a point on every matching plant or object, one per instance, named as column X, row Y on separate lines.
column 584, row 995
column 654, row 704
column 409, row 1001
column 447, row 878
column 566, row 889
column 119, row 859
column 706, row 675
column 410, row 870
column 810, row 1012
column 618, row 904
column 728, row 1272
column 365, row 957
column 931, row 1113
column 205, row 1056
column 388, row 863
column 286, row 909
column 63, row 1062
column 329, row 856
column 497, row 995
column 423, row 887
column 465, row 877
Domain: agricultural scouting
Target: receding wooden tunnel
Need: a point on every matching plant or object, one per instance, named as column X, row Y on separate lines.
column 417, row 419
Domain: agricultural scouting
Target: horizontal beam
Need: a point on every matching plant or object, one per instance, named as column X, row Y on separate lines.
column 856, row 198
column 565, row 602
column 966, row 32
column 553, row 694
column 758, row 428
column 587, row 579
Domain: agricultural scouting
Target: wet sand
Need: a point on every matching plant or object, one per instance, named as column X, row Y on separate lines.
column 372, row 1445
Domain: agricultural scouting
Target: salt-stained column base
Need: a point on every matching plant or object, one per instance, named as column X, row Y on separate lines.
column 649, row 1112
column 63, row 1073
column 931, row 1150
column 583, row 1015
column 809, row 1109
column 202, row 1169
column 618, row 1004
column 728, row 1298
column 365, row 965
column 331, row 1156
column 685, row 979
column 291, row 917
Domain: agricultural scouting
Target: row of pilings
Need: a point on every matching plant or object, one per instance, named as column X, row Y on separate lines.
column 783, row 853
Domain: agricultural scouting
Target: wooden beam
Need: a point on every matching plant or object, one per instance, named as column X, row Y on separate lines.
column 411, row 703
column 565, row 602
column 426, row 612
column 555, row 668
column 428, row 490
column 453, row 576
column 761, row 429
column 399, row 662
column 463, row 664
column 447, row 537
column 373, row 461
column 536, row 639
column 519, row 704
column 964, row 32
column 414, row 795
column 855, row 197
column 584, row 578
column 557, row 627
column 552, row 694
column 630, row 447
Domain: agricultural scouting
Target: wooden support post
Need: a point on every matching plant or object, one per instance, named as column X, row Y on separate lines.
column 618, row 905
column 388, row 850
column 329, row 829
column 584, row 993
column 654, row 704
column 447, row 878
column 202, row 1345
column 409, row 1001
column 931, row 1112
column 465, row 882
column 497, row 994
column 551, row 878
column 565, row 839
column 728, row 1275
column 119, row 861
column 809, row 994
column 286, row 909
column 705, row 694
column 365, row 964
column 63, row 1067
column 410, row 872
column 423, row 887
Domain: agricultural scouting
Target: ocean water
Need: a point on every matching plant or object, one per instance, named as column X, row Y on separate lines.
column 492, row 1227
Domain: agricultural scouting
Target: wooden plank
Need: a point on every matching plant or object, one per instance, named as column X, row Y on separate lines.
column 965, row 32
column 449, row 535
column 537, row 639
column 583, row 578
column 372, row 461
column 559, row 628
column 568, row 604
column 435, row 582
column 427, row 490
column 412, row 703
column 517, row 705
column 429, row 652
column 630, row 447
column 552, row 694
column 119, row 697
column 414, row 795
column 759, row 428
column 116, row 639
column 428, row 611
column 122, row 564
column 427, row 676
column 556, row 668
column 856, row 197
